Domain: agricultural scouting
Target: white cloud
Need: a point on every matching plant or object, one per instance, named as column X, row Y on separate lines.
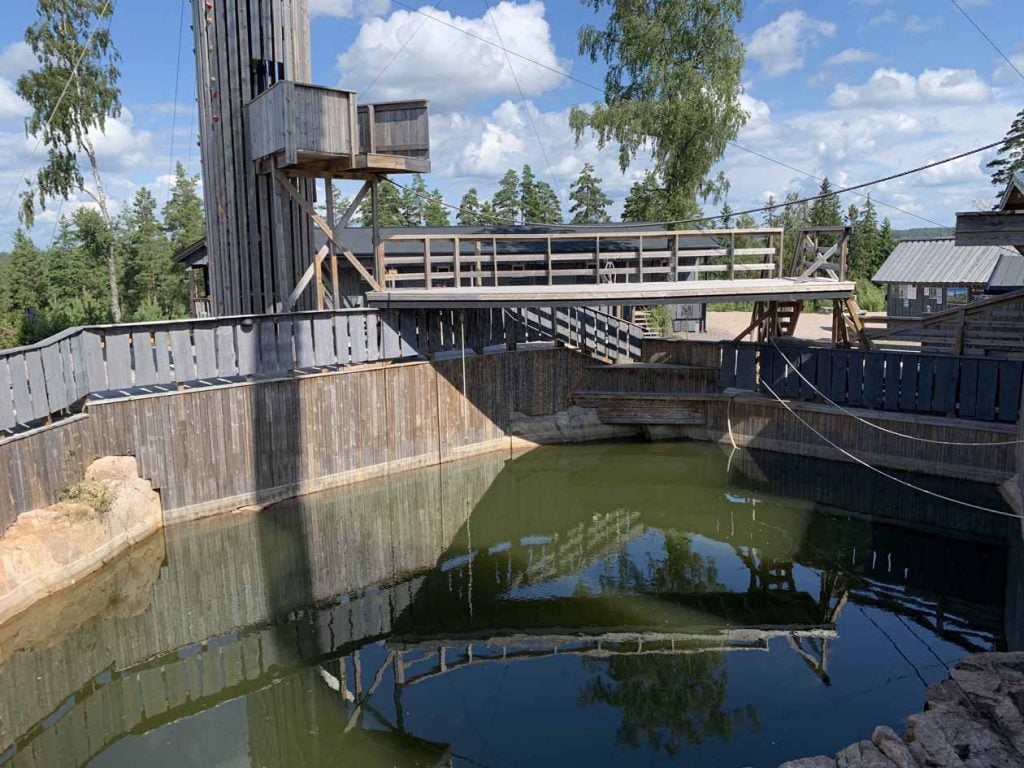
column 344, row 9
column 888, row 16
column 12, row 106
column 919, row 24
column 447, row 66
column 1005, row 72
column 779, row 45
column 892, row 87
column 16, row 59
column 850, row 56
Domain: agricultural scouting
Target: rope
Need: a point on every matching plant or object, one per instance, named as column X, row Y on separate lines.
column 883, row 473
column 991, row 42
column 879, row 427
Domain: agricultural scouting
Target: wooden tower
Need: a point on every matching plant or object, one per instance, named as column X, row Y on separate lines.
column 266, row 135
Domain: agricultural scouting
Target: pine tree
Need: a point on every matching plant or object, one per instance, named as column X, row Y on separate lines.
column 389, row 207
column 648, row 200
column 1010, row 157
column 886, row 244
column 414, row 200
column 435, row 213
column 726, row 215
column 77, row 293
column 772, row 213
column 153, row 286
column 488, row 216
column 506, row 200
column 589, row 202
column 183, row 217
column 865, row 244
column 529, row 197
column 469, row 209
column 825, row 211
column 26, row 276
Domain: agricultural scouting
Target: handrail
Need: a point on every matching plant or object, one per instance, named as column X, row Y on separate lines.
column 586, row 328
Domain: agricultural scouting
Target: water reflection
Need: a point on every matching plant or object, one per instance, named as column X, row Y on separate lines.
column 588, row 605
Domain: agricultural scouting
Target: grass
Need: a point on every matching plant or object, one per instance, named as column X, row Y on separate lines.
column 98, row 496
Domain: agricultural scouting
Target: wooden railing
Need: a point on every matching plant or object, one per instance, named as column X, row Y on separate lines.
column 598, row 333
column 50, row 378
column 986, row 389
column 593, row 257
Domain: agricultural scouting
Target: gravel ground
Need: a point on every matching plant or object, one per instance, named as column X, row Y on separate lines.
column 728, row 325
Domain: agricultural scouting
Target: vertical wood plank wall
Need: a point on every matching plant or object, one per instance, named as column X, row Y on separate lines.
column 217, row 448
column 259, row 241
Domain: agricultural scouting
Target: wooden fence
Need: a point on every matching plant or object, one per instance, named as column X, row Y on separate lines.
column 985, row 389
column 51, row 378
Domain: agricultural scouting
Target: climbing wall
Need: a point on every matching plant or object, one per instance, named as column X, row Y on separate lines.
column 259, row 241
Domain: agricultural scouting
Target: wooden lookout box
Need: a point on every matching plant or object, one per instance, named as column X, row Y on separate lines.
column 310, row 130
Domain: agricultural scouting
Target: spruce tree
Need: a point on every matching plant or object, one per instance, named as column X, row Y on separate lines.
column 825, row 211
column 506, row 200
column 488, row 216
column 183, row 217
column 154, row 286
column 1010, row 157
column 538, row 203
column 886, row 244
column 469, row 209
column 26, row 277
column 435, row 213
column 414, row 200
column 389, row 207
column 589, row 203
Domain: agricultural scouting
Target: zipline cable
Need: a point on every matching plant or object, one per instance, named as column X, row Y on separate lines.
column 879, row 427
column 990, row 41
column 526, row 103
column 857, row 460
column 731, row 143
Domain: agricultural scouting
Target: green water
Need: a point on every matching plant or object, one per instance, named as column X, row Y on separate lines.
column 593, row 605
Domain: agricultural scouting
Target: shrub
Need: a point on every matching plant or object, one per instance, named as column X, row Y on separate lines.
column 870, row 297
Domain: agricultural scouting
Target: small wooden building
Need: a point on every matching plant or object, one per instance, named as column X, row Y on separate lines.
column 923, row 277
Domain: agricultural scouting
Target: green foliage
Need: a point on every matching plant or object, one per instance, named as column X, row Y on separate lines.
column 184, row 221
column 435, row 212
column 672, row 88
column 589, row 202
column 506, row 200
column 153, row 285
column 649, row 200
column 1010, row 157
column 389, row 207
column 99, row 496
column 538, row 203
column 469, row 209
column 870, row 297
column 72, row 44
column 661, row 320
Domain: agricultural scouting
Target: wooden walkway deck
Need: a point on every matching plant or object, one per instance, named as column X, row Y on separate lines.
column 625, row 294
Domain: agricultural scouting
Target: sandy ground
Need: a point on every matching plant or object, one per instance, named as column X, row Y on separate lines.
column 725, row 326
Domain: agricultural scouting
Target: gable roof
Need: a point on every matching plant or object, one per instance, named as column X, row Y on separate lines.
column 939, row 262
column 1013, row 197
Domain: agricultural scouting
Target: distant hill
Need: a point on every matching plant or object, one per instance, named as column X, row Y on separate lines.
column 924, row 233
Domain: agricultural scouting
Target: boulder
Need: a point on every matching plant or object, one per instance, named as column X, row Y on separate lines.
column 863, row 754
column 893, row 747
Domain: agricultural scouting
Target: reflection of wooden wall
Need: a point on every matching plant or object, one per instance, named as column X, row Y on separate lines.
column 374, row 534
column 222, row 447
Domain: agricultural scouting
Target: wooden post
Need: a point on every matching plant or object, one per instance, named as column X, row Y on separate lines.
column 675, row 259
column 457, row 261
column 427, row 280
column 379, row 267
column 494, row 258
column 597, row 261
column 479, row 279
column 640, row 261
column 551, row 277
column 732, row 256
column 332, row 253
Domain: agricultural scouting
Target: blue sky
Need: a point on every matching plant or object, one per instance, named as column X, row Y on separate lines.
column 852, row 89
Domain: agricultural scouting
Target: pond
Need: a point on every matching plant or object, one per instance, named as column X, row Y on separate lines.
column 628, row 604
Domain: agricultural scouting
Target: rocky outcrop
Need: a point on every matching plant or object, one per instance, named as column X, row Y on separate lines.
column 47, row 550
column 973, row 719
column 573, row 425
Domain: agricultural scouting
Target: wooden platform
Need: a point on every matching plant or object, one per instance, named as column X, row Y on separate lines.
column 635, row 294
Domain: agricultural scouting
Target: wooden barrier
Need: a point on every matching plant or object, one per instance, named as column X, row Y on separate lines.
column 977, row 388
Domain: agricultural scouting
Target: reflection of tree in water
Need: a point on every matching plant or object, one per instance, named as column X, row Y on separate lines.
column 666, row 701
column 680, row 570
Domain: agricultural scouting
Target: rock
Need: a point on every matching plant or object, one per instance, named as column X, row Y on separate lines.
column 863, row 754
column 810, row 762
column 893, row 747
column 113, row 468
column 573, row 425
column 47, row 550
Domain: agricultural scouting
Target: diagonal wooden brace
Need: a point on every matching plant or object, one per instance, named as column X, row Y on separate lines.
column 319, row 221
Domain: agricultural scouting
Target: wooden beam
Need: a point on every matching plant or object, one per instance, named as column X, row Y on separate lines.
column 990, row 228
column 319, row 221
column 304, row 281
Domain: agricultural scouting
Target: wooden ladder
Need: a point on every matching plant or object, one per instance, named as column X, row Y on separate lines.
column 789, row 316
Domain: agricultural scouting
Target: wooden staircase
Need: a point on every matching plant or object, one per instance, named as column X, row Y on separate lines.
column 642, row 318
column 789, row 316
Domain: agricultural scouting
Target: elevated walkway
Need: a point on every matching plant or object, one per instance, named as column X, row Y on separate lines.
column 624, row 294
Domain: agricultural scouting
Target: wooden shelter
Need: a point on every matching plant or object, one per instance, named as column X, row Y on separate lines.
column 1002, row 226
column 266, row 135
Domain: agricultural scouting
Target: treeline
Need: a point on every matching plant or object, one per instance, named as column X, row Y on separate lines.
column 44, row 290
